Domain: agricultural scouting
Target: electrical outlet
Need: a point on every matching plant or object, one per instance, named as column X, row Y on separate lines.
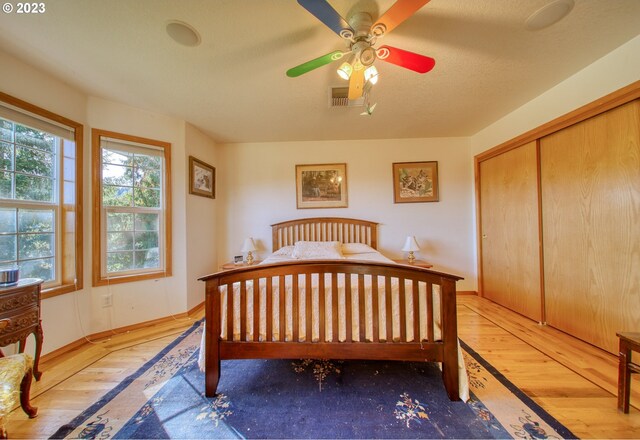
column 106, row 300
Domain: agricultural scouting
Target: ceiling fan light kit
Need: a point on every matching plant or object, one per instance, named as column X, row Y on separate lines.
column 361, row 35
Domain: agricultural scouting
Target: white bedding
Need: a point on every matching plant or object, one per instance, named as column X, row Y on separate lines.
column 369, row 256
column 349, row 252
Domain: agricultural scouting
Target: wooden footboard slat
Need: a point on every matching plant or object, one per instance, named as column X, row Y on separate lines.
column 256, row 309
column 269, row 317
column 388, row 310
column 334, row 307
column 430, row 312
column 243, row 311
column 230, row 309
column 322, row 316
column 308, row 307
column 374, row 306
column 416, row 312
column 403, row 310
column 295, row 315
column 281, row 307
column 361, row 309
column 348, row 301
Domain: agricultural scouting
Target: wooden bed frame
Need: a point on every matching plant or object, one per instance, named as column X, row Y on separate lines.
column 248, row 345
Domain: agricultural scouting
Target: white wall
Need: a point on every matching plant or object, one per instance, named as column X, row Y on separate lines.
column 69, row 317
column 29, row 84
column 150, row 299
column 258, row 186
column 201, row 220
column 615, row 70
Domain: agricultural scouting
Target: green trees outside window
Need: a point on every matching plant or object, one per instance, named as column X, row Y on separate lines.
column 132, row 194
column 29, row 199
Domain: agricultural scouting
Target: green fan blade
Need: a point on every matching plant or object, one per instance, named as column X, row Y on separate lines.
column 314, row 64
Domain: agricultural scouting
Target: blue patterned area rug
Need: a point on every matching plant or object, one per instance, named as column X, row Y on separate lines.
column 308, row 399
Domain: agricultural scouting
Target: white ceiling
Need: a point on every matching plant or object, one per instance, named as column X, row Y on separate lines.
column 233, row 85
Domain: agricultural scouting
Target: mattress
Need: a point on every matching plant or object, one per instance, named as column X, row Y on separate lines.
column 330, row 296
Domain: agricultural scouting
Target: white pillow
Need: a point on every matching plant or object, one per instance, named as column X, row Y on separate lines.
column 357, row 248
column 284, row 251
column 317, row 249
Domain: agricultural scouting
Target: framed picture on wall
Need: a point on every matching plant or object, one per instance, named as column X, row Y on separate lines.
column 202, row 178
column 321, row 186
column 415, row 182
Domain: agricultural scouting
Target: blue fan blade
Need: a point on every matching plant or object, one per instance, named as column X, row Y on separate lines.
column 324, row 12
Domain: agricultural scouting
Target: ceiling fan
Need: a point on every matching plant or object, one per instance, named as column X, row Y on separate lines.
column 361, row 35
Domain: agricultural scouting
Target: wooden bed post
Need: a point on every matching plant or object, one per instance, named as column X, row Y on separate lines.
column 449, row 338
column 212, row 344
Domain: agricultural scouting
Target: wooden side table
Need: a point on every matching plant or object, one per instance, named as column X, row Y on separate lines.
column 20, row 311
column 419, row 263
column 629, row 342
column 232, row 265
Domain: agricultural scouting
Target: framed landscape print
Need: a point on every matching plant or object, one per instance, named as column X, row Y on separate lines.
column 321, row 186
column 202, row 178
column 415, row 182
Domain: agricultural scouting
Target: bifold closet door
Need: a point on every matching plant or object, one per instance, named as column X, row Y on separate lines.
column 510, row 230
column 590, row 181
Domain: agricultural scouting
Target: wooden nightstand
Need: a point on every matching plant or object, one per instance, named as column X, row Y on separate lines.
column 232, row 265
column 419, row 263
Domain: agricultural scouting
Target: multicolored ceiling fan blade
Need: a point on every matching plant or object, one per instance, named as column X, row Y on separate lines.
column 356, row 84
column 408, row 60
column 399, row 12
column 324, row 12
column 315, row 63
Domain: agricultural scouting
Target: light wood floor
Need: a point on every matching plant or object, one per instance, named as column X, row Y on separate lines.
column 573, row 381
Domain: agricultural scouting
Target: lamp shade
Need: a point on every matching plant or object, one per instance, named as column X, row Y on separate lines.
column 345, row 70
column 411, row 245
column 248, row 245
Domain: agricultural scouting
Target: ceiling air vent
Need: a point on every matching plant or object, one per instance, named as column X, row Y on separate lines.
column 339, row 97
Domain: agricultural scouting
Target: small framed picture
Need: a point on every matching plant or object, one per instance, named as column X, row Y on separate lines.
column 202, row 178
column 321, row 186
column 415, row 182
column 237, row 259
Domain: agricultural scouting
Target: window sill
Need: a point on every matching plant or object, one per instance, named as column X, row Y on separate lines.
column 100, row 281
column 60, row 290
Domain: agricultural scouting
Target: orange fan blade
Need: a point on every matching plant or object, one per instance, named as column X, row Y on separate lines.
column 399, row 12
column 356, row 84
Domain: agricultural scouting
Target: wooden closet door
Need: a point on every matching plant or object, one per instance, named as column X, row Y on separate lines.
column 510, row 250
column 590, row 179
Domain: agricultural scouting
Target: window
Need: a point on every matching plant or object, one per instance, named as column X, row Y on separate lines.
column 132, row 234
column 40, row 195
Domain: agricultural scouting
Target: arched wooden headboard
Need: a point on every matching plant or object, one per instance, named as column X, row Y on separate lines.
column 344, row 230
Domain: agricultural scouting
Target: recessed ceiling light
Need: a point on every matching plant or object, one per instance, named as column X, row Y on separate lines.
column 183, row 33
column 549, row 14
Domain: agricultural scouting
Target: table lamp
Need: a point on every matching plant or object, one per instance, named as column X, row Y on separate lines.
column 249, row 246
column 411, row 245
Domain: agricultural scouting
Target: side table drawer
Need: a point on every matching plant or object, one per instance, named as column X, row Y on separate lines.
column 16, row 300
column 20, row 325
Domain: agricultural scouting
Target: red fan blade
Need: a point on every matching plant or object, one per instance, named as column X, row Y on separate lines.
column 399, row 12
column 408, row 60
